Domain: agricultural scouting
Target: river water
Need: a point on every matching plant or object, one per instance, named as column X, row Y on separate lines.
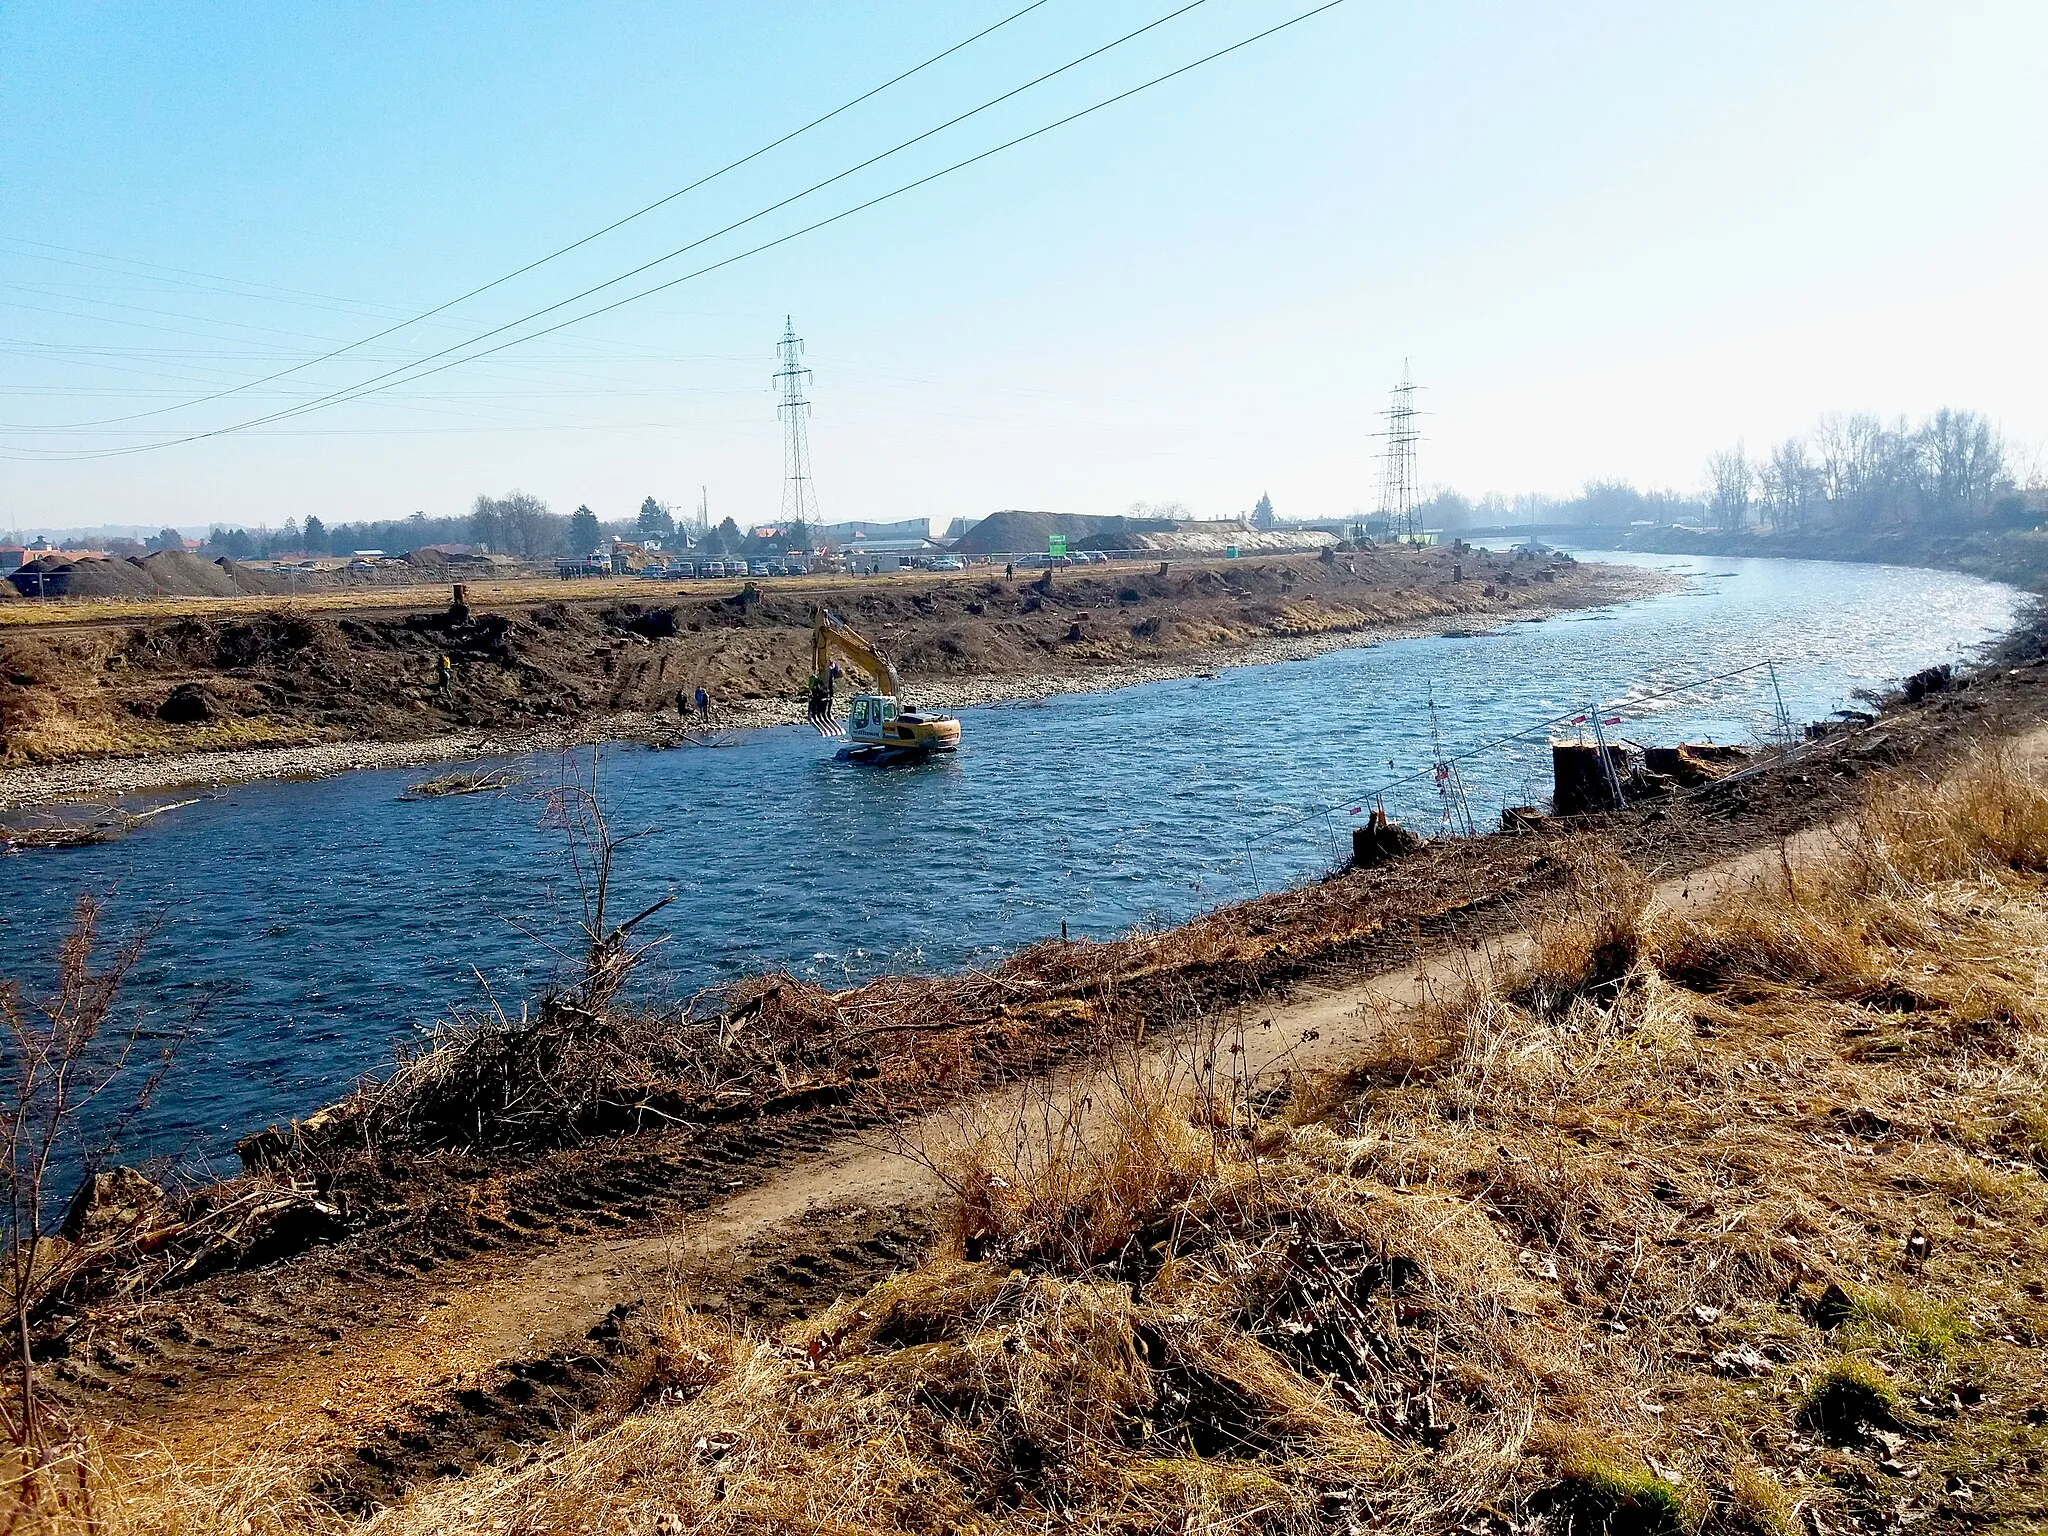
column 327, row 922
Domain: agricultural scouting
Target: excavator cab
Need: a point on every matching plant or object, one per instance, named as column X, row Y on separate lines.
column 880, row 726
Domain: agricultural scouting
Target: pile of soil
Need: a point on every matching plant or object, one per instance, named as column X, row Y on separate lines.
column 186, row 575
column 168, row 573
column 177, row 573
column 59, row 576
column 290, row 677
column 1004, row 533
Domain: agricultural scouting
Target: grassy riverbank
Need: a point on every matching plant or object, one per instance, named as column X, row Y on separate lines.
column 1722, row 1216
column 468, row 1258
column 388, row 1284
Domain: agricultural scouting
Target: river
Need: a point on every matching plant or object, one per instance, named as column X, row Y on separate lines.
column 325, row 922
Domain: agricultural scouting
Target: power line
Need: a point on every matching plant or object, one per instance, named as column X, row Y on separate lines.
column 373, row 386
column 353, row 391
column 799, row 495
column 616, row 224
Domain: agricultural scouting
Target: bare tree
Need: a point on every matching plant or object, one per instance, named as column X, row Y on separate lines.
column 517, row 524
column 61, row 1054
column 1790, row 484
column 1965, row 464
column 591, row 848
column 1730, row 478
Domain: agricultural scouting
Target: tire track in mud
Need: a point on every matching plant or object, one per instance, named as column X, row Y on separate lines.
column 791, row 1272
column 355, row 1343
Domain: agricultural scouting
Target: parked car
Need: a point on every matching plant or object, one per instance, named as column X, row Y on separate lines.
column 757, row 567
column 710, row 567
column 948, row 563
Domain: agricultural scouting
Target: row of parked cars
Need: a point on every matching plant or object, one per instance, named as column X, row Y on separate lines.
column 678, row 570
column 1072, row 557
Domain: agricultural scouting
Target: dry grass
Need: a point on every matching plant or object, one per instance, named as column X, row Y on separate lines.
column 1728, row 1221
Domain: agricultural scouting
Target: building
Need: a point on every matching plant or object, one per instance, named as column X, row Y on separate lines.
column 909, row 532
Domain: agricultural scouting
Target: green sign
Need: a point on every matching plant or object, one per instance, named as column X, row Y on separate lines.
column 1056, row 544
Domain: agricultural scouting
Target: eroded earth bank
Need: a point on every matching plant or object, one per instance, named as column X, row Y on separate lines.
column 83, row 692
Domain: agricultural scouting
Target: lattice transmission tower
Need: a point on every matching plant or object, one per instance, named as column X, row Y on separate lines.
column 1398, row 487
column 799, row 497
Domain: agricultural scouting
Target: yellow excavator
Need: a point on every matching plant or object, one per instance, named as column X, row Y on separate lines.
column 880, row 728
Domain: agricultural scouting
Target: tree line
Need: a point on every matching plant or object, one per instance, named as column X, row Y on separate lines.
column 1951, row 472
column 518, row 524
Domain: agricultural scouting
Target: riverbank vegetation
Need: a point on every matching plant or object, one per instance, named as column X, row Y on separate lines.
column 1948, row 492
column 517, row 1113
column 1725, row 1218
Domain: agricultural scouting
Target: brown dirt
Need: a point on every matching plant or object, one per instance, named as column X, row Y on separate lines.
column 465, row 1269
column 296, row 675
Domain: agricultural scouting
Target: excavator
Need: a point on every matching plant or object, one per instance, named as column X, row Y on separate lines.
column 880, row 728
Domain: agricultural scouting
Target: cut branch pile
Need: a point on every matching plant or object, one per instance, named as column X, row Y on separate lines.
column 54, row 832
column 461, row 784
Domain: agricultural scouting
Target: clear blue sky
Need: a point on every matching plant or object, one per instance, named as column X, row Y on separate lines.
column 1610, row 236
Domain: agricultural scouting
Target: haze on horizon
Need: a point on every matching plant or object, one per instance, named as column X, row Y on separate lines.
column 1611, row 239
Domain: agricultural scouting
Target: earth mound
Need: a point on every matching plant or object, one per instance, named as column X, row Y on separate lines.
column 186, row 575
column 1018, row 532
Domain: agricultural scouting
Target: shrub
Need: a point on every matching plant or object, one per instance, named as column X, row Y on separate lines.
column 1851, row 1398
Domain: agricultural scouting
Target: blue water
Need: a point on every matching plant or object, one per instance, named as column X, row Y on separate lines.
column 329, row 922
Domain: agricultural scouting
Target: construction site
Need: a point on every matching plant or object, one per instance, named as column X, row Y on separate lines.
column 85, row 686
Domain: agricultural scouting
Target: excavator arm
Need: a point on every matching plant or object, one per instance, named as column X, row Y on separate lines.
column 830, row 635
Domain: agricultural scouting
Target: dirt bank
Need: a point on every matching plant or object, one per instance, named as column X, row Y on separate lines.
column 117, row 708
